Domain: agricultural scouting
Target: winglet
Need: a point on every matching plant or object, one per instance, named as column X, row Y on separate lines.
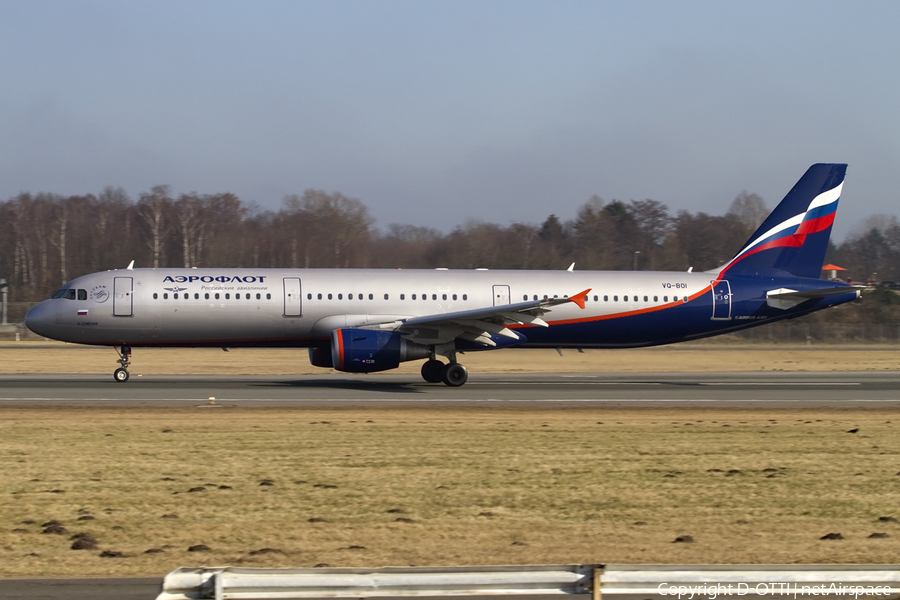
column 579, row 298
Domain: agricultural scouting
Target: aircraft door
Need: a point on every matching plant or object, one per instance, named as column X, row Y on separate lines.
column 721, row 292
column 123, row 300
column 292, row 301
column 501, row 295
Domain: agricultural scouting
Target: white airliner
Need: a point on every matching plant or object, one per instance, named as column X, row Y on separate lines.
column 372, row 320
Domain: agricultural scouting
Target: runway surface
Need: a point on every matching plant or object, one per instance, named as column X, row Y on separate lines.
column 852, row 389
column 131, row 588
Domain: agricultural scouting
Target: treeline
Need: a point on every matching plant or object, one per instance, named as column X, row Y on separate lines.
column 47, row 239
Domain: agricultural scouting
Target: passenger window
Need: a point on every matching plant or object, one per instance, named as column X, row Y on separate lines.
column 309, row 296
column 258, row 297
column 445, row 296
column 465, row 296
column 187, row 296
column 228, row 296
column 217, row 295
column 606, row 298
column 340, row 296
column 685, row 298
column 402, row 296
column 268, row 296
column 615, row 298
column 385, row 296
column 175, row 296
column 434, row 296
column 454, row 296
column 595, row 298
column 413, row 296
column 656, row 298
column 206, row 296
column 371, row 296
column 525, row 297
column 165, row 296
column 424, row 296
column 645, row 298
column 329, row 296
column 155, row 296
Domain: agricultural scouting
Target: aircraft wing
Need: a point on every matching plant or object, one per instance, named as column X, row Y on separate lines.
column 785, row 298
column 480, row 325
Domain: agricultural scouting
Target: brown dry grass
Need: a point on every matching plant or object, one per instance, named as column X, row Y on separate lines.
column 481, row 486
column 56, row 357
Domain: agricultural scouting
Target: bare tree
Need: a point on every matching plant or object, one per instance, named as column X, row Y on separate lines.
column 111, row 214
column 749, row 210
column 189, row 213
column 59, row 238
column 153, row 209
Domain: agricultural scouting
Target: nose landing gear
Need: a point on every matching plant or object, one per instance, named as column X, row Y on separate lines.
column 121, row 374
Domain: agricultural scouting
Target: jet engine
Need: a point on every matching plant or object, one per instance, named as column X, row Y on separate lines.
column 369, row 350
column 320, row 356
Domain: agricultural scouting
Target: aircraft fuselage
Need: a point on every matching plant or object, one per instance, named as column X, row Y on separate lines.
column 285, row 307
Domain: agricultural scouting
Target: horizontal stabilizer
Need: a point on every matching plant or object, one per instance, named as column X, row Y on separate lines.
column 784, row 298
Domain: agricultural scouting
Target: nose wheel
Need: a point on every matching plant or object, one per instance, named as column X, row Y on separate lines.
column 121, row 374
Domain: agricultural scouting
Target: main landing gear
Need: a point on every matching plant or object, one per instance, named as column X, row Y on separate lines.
column 453, row 374
column 121, row 374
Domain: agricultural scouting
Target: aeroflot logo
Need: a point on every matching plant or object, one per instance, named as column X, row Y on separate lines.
column 211, row 279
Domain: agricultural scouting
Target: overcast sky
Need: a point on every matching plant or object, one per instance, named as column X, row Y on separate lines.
column 434, row 113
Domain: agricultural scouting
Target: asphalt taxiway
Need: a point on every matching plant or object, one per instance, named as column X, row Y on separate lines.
column 746, row 390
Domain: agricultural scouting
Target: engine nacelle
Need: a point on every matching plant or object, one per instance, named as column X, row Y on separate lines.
column 370, row 350
column 320, row 356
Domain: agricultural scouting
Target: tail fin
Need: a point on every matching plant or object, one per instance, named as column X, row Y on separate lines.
column 794, row 238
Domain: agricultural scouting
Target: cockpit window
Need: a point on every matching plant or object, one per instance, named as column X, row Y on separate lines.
column 82, row 294
column 59, row 294
column 69, row 295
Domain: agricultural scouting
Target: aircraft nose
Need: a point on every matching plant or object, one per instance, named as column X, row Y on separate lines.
column 40, row 319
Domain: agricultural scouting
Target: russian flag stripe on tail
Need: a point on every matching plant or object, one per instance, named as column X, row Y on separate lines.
column 794, row 238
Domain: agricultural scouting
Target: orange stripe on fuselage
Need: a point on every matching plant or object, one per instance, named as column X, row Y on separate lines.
column 628, row 313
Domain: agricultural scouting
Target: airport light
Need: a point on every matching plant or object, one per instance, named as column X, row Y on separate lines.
column 4, row 292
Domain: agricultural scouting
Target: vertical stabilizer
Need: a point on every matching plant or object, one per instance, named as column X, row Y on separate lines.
column 794, row 238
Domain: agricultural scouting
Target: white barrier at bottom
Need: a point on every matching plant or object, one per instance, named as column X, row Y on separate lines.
column 606, row 582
